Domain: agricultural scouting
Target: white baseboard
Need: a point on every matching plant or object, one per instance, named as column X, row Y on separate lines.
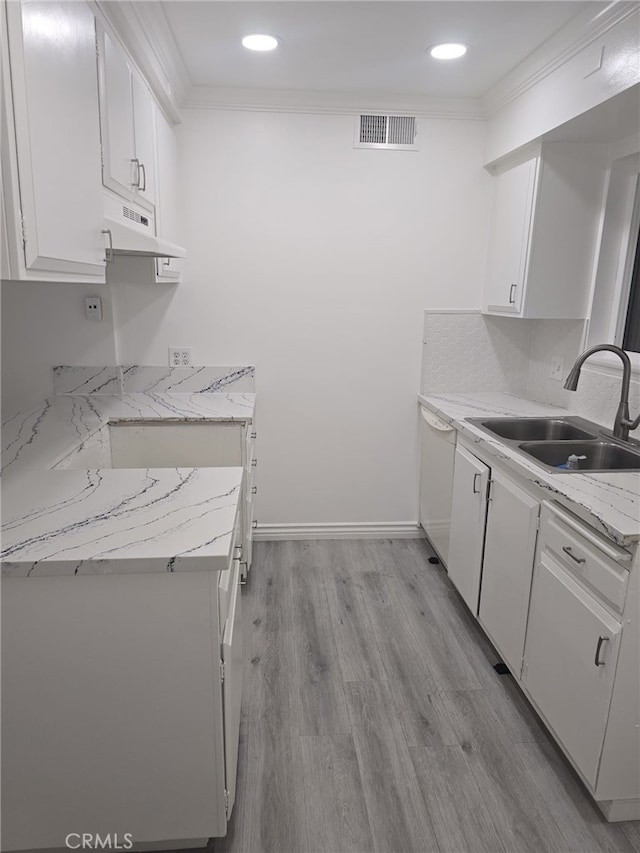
column 339, row 530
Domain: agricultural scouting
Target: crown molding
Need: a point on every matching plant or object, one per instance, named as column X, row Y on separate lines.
column 145, row 33
column 336, row 103
column 561, row 47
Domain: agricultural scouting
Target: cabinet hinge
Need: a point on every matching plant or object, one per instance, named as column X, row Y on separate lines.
column 226, row 804
column 538, row 521
column 23, row 230
column 221, row 670
column 489, row 484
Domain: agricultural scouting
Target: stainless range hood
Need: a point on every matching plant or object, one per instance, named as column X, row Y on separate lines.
column 131, row 231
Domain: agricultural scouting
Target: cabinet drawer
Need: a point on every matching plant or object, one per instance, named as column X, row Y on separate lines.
column 576, row 548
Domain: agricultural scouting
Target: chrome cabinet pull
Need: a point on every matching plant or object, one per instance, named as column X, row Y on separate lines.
column 512, row 294
column 108, row 253
column 141, row 168
column 136, row 181
column 254, row 523
column 597, row 660
column 166, row 262
column 567, row 550
column 475, row 480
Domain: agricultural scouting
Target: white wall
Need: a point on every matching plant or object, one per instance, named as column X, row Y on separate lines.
column 43, row 324
column 314, row 261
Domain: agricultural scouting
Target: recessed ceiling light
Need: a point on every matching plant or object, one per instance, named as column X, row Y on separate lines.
column 448, row 51
column 260, row 42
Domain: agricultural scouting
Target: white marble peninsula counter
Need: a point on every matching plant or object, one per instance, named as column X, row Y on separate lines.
column 103, row 520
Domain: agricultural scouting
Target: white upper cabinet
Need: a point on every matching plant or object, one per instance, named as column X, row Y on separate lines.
column 167, row 219
column 509, row 237
column 544, row 226
column 51, row 161
column 127, row 117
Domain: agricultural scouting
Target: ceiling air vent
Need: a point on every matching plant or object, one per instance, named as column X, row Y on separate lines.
column 376, row 131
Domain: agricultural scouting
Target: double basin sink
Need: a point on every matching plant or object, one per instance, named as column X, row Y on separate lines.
column 551, row 441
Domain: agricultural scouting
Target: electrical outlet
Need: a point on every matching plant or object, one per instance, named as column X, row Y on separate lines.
column 557, row 367
column 180, row 357
column 93, row 308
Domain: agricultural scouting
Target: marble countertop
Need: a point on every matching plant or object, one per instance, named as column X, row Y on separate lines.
column 62, row 522
column 610, row 502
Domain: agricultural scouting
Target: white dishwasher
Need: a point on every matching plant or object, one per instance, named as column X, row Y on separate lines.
column 437, row 453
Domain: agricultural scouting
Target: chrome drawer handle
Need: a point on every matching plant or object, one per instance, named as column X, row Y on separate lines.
column 567, row 550
column 143, row 188
column 475, row 480
column 254, row 523
column 136, row 181
column 512, row 294
column 597, row 660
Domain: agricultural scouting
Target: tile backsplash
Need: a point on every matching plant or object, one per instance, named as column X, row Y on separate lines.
column 470, row 351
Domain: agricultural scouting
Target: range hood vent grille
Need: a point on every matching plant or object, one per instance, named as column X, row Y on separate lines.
column 380, row 131
column 128, row 213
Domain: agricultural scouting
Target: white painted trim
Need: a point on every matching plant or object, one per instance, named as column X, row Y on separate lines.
column 615, row 810
column 330, row 103
column 577, row 34
column 339, row 530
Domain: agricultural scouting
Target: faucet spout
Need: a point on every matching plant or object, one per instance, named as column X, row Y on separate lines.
column 623, row 422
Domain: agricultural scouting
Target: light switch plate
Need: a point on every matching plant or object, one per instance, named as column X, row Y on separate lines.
column 557, row 367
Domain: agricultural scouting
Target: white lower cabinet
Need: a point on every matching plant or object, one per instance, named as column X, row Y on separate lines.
column 510, row 543
column 121, row 707
column 570, row 662
column 561, row 604
column 468, row 514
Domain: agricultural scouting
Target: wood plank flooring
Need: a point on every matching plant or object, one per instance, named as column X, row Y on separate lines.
column 373, row 721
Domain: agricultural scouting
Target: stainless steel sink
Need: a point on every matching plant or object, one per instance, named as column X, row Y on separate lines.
column 534, row 429
column 550, row 441
column 600, row 455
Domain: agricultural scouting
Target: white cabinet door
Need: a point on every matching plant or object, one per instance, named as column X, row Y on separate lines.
column 144, row 120
column 57, row 131
column 509, row 553
column 509, row 237
column 127, row 114
column 232, row 657
column 468, row 515
column 570, row 659
column 119, row 171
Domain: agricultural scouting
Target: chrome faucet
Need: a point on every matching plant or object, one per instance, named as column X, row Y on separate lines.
column 623, row 422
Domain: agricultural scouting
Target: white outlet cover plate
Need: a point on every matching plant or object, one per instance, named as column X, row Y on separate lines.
column 180, row 356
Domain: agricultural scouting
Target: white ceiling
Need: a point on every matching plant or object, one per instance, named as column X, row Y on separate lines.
column 365, row 47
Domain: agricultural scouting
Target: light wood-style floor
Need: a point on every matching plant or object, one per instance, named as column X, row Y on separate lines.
column 373, row 720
